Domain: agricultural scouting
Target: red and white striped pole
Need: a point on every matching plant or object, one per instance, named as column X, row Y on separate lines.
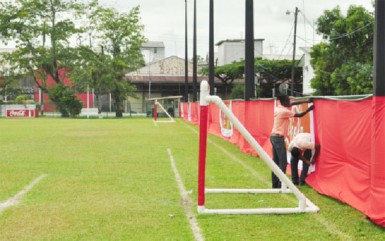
column 155, row 110
column 204, row 92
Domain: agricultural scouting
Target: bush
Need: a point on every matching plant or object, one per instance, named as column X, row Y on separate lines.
column 65, row 99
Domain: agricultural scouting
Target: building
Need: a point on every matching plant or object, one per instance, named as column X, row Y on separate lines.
column 308, row 71
column 164, row 78
column 153, row 51
column 231, row 50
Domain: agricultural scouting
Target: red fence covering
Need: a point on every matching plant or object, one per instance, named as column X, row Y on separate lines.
column 351, row 164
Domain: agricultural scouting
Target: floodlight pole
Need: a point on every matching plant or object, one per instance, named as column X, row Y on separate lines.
column 249, row 51
column 185, row 99
column 195, row 81
column 211, row 48
column 379, row 50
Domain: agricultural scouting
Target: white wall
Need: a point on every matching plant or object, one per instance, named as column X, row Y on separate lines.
column 308, row 72
column 231, row 51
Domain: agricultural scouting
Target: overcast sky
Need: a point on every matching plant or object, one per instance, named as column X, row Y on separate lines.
column 164, row 20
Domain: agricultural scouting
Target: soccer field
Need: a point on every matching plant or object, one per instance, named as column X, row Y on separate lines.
column 128, row 179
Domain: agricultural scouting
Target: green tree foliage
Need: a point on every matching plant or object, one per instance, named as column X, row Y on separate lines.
column 238, row 91
column 119, row 37
column 269, row 74
column 272, row 73
column 41, row 30
column 343, row 62
column 65, row 99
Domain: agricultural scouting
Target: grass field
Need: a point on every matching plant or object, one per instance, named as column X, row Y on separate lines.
column 112, row 179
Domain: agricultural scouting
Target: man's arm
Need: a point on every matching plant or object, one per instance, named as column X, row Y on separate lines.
column 305, row 112
column 303, row 158
column 310, row 100
column 316, row 151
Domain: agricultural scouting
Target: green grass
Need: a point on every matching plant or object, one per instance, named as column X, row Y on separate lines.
column 111, row 179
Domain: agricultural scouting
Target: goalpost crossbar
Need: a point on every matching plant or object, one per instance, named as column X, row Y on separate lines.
column 157, row 104
column 304, row 205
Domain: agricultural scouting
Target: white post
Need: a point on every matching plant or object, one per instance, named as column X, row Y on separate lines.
column 88, row 101
column 93, row 97
column 110, row 101
column 39, row 96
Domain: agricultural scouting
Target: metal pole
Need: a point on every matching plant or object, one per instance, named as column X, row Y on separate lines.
column 249, row 51
column 211, row 48
column 379, row 50
column 195, row 81
column 294, row 47
column 186, row 57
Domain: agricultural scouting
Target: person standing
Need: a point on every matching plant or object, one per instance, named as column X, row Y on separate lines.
column 282, row 117
column 302, row 147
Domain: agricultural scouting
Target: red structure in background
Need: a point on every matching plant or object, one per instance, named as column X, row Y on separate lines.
column 351, row 163
column 48, row 105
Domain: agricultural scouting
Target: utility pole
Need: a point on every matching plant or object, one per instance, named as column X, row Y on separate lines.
column 195, row 81
column 249, row 51
column 294, row 47
column 186, row 55
column 211, row 48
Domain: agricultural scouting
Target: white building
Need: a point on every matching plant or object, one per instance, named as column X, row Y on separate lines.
column 308, row 71
column 231, row 50
column 153, row 51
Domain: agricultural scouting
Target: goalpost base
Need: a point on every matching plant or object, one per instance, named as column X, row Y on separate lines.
column 310, row 209
column 308, row 206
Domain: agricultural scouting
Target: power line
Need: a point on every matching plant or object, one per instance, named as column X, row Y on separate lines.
column 350, row 33
column 287, row 41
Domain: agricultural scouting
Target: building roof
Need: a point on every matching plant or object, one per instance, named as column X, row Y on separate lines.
column 236, row 41
column 305, row 49
column 153, row 44
column 281, row 56
column 138, row 79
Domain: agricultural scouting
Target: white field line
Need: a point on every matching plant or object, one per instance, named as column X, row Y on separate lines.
column 186, row 201
column 15, row 200
column 324, row 222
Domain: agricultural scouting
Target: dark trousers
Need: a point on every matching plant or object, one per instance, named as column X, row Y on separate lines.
column 294, row 168
column 279, row 157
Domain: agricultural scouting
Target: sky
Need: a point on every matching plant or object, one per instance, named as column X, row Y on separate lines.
column 164, row 20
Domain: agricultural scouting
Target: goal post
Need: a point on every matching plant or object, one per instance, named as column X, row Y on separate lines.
column 158, row 106
column 304, row 205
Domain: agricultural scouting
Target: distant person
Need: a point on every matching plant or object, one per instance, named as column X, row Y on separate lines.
column 280, row 128
column 302, row 147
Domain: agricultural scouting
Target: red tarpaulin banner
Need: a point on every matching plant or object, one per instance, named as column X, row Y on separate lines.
column 377, row 164
column 351, row 164
column 343, row 129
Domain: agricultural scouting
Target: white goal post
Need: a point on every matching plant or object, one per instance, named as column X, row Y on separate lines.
column 304, row 205
column 157, row 103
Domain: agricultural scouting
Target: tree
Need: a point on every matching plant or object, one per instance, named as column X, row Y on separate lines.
column 228, row 73
column 269, row 73
column 272, row 73
column 41, row 30
column 343, row 62
column 120, row 36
